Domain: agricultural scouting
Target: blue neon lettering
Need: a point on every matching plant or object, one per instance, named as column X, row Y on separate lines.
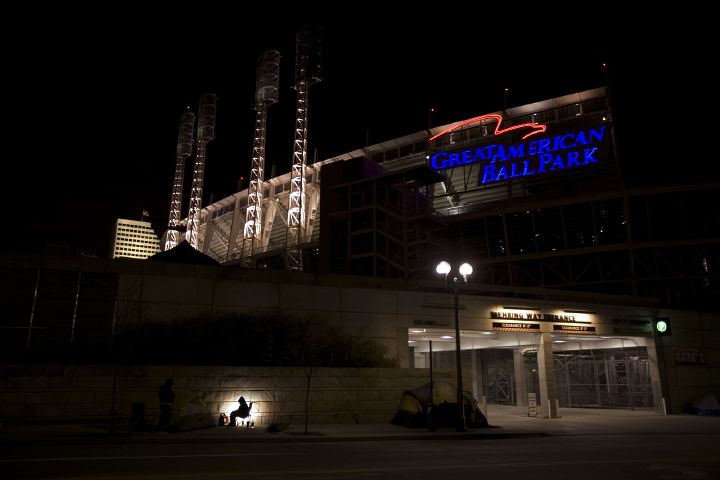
column 597, row 134
column 562, row 142
column 558, row 152
column 544, row 160
column 588, row 155
column 544, row 145
column 532, row 149
column 516, row 151
column 488, row 173
column 436, row 163
column 466, row 157
column 580, row 139
column 526, row 169
column 572, row 159
column 489, row 152
column 556, row 141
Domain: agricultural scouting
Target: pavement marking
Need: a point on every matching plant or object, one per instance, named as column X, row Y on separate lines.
column 138, row 457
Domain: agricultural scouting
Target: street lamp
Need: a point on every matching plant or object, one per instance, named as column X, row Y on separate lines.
column 444, row 268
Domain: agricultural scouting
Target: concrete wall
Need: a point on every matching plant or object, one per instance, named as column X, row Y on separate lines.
column 338, row 395
column 695, row 339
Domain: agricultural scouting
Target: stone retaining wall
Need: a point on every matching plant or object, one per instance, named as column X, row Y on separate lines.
column 338, row 395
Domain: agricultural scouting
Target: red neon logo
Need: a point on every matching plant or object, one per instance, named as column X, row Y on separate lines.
column 536, row 127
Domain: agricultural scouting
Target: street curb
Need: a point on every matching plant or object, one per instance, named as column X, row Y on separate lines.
column 156, row 440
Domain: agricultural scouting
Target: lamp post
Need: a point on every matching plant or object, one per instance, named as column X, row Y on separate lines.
column 465, row 270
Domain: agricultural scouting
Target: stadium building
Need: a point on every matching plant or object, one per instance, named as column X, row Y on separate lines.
column 535, row 199
column 532, row 197
column 575, row 263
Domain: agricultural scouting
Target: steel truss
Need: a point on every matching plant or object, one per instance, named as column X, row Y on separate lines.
column 266, row 94
column 183, row 152
column 205, row 134
column 307, row 72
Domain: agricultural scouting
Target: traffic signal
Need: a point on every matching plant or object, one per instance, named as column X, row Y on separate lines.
column 662, row 327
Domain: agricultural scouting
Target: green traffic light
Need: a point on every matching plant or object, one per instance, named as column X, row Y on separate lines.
column 661, row 326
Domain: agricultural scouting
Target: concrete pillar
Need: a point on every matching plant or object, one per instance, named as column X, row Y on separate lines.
column 475, row 374
column 655, row 379
column 520, row 382
column 546, row 376
column 482, row 373
column 402, row 348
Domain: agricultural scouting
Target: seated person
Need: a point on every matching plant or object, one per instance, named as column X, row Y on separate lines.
column 243, row 412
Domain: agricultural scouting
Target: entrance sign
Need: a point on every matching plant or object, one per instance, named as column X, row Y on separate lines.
column 574, row 329
column 543, row 317
column 516, row 327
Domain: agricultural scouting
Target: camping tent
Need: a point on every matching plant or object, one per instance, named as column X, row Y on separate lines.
column 708, row 404
column 415, row 407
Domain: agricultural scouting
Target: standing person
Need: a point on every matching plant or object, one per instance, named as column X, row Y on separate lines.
column 167, row 398
column 243, row 412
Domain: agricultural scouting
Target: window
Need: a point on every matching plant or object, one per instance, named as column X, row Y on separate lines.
column 579, row 230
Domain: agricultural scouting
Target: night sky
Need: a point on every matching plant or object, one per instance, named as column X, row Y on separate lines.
column 98, row 102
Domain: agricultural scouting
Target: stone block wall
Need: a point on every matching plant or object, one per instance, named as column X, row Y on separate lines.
column 690, row 357
column 338, row 395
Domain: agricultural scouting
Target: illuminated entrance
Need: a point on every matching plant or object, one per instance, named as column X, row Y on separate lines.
column 594, row 371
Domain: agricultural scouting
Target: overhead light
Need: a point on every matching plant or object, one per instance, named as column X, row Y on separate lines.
column 443, row 268
column 417, row 331
column 488, row 333
column 411, row 341
column 446, row 336
column 559, row 341
column 509, row 307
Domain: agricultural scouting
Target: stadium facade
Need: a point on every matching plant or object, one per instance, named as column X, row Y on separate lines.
column 574, row 262
column 533, row 197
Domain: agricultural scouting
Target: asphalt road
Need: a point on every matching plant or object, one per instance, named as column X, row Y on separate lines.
column 585, row 457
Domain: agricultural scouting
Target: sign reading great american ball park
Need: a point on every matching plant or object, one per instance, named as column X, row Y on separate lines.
column 536, row 152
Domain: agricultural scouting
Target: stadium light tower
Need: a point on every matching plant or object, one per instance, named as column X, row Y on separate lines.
column 205, row 134
column 307, row 73
column 266, row 94
column 183, row 152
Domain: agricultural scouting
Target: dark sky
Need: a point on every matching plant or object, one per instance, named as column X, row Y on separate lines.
column 98, row 101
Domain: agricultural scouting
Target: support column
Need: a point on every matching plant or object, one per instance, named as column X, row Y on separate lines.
column 482, row 369
column 520, row 380
column 207, row 238
column 655, row 378
column 402, row 347
column 476, row 379
column 546, row 374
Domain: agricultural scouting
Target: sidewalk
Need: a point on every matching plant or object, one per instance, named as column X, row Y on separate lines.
column 509, row 422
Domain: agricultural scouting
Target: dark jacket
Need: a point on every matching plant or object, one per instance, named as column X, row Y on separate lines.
column 166, row 394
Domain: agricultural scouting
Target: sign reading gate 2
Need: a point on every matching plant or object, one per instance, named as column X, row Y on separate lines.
column 556, row 153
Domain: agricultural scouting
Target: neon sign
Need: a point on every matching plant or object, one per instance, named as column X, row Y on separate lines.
column 536, row 127
column 500, row 162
